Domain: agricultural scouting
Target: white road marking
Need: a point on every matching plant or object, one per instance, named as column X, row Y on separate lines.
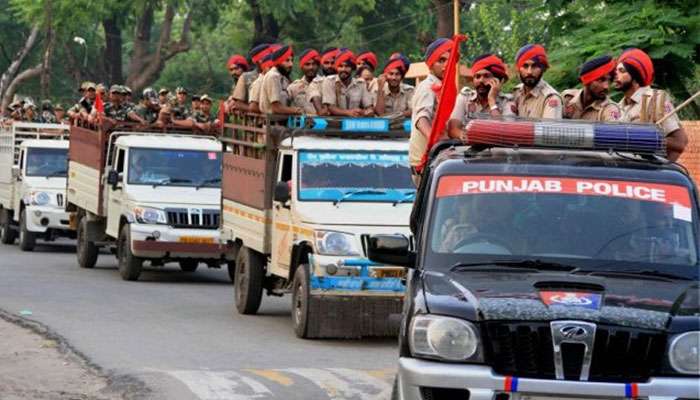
column 226, row 385
column 339, row 388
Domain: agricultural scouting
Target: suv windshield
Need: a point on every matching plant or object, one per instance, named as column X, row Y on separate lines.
column 161, row 167
column 585, row 222
column 47, row 162
column 354, row 176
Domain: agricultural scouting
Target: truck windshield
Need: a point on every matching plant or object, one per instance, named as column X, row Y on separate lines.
column 160, row 167
column 47, row 162
column 584, row 222
column 351, row 176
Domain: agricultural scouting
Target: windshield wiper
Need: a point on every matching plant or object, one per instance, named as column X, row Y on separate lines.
column 406, row 196
column 356, row 192
column 168, row 181
column 532, row 264
column 637, row 273
column 57, row 173
column 207, row 181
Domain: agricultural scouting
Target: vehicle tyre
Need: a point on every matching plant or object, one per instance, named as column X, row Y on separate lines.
column 189, row 265
column 300, row 302
column 129, row 265
column 27, row 240
column 7, row 234
column 248, row 283
column 232, row 270
column 86, row 250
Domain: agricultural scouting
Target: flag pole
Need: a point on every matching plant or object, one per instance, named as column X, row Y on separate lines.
column 455, row 14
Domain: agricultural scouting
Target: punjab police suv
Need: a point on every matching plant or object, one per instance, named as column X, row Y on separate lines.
column 552, row 261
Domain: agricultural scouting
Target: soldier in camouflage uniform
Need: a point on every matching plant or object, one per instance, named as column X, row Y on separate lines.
column 202, row 119
column 60, row 114
column 83, row 108
column 47, row 115
column 147, row 110
column 30, row 114
column 178, row 106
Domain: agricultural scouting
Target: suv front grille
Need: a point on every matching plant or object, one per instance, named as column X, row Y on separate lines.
column 193, row 218
column 620, row 354
column 59, row 199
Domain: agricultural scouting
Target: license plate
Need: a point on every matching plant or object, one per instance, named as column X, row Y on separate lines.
column 388, row 273
column 196, row 240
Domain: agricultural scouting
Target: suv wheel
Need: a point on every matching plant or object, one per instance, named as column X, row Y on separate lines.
column 7, row 234
column 300, row 302
column 248, row 284
column 129, row 264
column 86, row 251
column 27, row 240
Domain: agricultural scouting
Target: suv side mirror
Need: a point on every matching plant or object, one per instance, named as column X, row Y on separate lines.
column 282, row 192
column 391, row 250
column 114, row 178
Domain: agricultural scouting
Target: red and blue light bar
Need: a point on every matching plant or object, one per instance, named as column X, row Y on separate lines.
column 632, row 138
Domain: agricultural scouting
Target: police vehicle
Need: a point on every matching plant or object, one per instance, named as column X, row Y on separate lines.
column 551, row 260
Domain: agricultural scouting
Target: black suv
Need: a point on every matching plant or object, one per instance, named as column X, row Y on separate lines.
column 542, row 273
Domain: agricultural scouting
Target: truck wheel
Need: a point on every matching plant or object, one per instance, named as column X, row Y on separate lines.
column 129, row 264
column 27, row 240
column 248, row 283
column 231, row 270
column 7, row 234
column 86, row 250
column 189, row 265
column 300, row 302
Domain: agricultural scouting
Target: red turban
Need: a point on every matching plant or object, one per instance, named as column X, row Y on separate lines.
column 343, row 57
column 329, row 54
column 596, row 68
column 368, row 57
column 436, row 49
column 268, row 61
column 237, row 59
column 308, row 55
column 281, row 55
column 640, row 62
column 492, row 63
column 529, row 52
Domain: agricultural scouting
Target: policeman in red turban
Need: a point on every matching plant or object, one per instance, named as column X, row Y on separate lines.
column 299, row 93
column 366, row 65
column 534, row 97
column 592, row 102
column 392, row 96
column 633, row 77
column 236, row 65
column 344, row 95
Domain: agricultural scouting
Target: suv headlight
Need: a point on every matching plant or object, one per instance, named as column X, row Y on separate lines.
column 147, row 215
column 331, row 243
column 684, row 353
column 444, row 338
column 39, row 198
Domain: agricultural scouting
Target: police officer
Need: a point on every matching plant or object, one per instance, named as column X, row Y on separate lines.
column 633, row 77
column 163, row 96
column 424, row 103
column 592, row 102
column 274, row 98
column 237, row 65
column 147, row 110
column 309, row 62
column 241, row 93
column 392, row 96
column 534, row 97
column 256, row 87
column 486, row 98
column 366, row 65
column 178, row 108
column 344, row 95
column 327, row 69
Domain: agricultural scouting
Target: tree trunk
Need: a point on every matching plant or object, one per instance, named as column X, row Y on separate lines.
column 113, row 49
column 145, row 65
column 11, row 71
column 46, row 65
column 21, row 77
column 266, row 28
column 445, row 18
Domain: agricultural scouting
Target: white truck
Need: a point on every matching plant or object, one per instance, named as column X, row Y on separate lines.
column 297, row 203
column 148, row 196
column 33, row 164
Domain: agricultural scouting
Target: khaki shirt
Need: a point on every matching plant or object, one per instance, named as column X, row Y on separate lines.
column 423, row 106
column 658, row 104
column 315, row 87
column 242, row 90
column 352, row 96
column 299, row 93
column 273, row 90
column 395, row 103
column 467, row 105
column 599, row 110
column 255, row 89
column 543, row 101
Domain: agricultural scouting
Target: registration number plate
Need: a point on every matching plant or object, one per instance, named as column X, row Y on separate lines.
column 197, row 240
column 388, row 273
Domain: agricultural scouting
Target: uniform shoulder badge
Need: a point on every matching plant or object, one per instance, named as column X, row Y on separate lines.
column 553, row 101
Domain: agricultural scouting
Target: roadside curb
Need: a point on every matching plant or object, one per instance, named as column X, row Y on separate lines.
column 125, row 386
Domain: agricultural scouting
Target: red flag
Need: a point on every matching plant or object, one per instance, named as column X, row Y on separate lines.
column 447, row 97
column 99, row 105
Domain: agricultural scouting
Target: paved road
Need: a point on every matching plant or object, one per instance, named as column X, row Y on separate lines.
column 177, row 336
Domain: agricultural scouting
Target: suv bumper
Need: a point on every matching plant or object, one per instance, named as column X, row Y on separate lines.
column 484, row 384
column 42, row 218
column 158, row 241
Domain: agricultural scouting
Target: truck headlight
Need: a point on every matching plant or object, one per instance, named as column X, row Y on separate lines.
column 444, row 338
column 331, row 243
column 147, row 215
column 39, row 198
column 684, row 353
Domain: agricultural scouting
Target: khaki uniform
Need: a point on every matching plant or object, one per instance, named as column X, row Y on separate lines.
column 273, row 89
column 255, row 89
column 467, row 105
column 600, row 110
column 424, row 103
column 315, row 86
column 658, row 104
column 242, row 90
column 299, row 94
column 395, row 104
column 352, row 96
column 543, row 101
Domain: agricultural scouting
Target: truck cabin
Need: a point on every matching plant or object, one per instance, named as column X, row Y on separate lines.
column 43, row 158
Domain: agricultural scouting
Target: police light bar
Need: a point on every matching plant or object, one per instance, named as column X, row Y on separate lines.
column 349, row 125
column 633, row 138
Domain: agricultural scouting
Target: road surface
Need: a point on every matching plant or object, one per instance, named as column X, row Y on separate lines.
column 176, row 336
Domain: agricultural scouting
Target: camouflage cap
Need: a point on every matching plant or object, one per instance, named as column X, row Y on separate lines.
column 150, row 95
column 195, row 97
column 46, row 105
column 163, row 91
column 181, row 89
column 87, row 85
column 115, row 89
column 205, row 97
column 127, row 89
column 29, row 105
column 58, row 107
